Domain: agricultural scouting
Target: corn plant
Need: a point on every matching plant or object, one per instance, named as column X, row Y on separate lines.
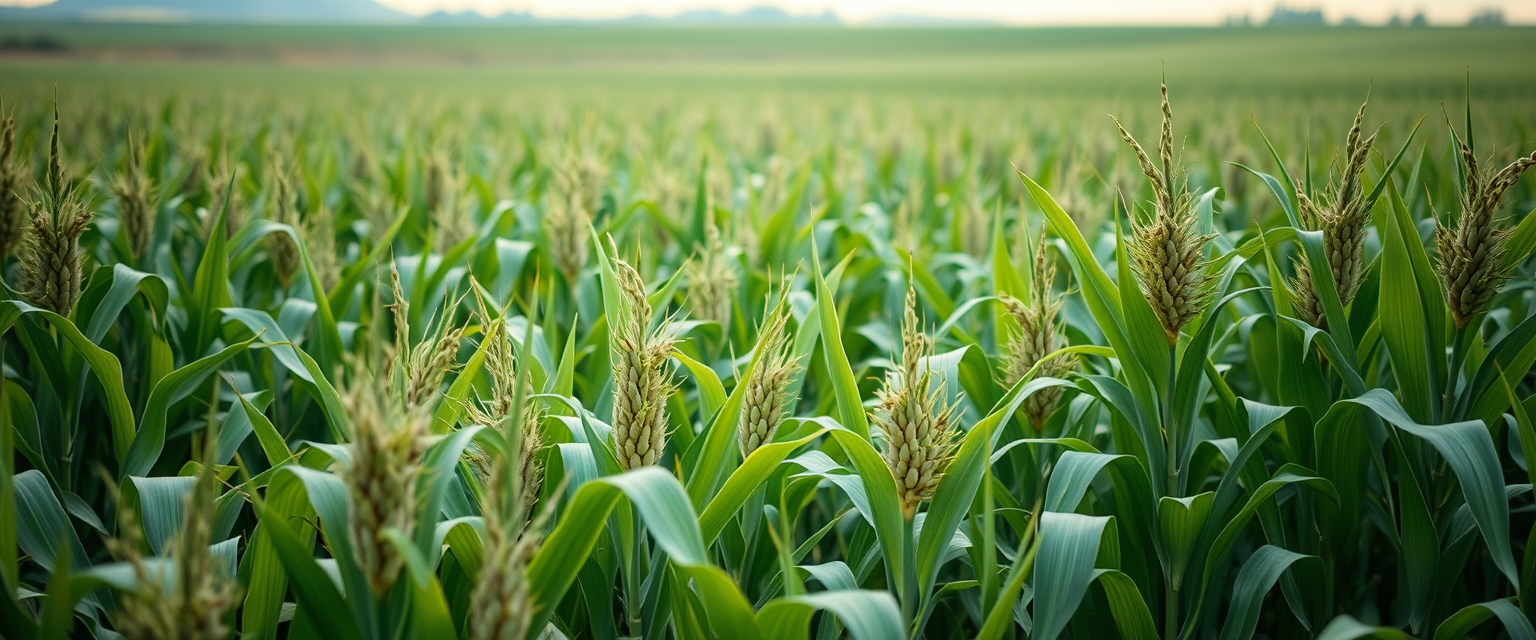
column 273, row 369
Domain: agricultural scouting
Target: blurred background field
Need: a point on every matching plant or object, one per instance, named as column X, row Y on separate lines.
column 986, row 80
column 1226, row 63
column 479, row 162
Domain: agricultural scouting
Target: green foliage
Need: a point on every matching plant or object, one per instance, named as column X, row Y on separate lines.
column 1254, row 477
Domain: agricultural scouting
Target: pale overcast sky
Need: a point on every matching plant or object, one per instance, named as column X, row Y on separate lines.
column 1009, row 11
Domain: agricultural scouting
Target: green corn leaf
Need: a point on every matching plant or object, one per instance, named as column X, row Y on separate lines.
column 1070, row 546
column 1258, row 575
column 272, row 442
column 1287, row 475
column 1276, row 189
column 308, row 374
column 171, row 389
column 1132, row 618
column 668, row 515
column 103, row 364
column 159, row 503
column 429, row 609
column 844, row 388
column 454, row 400
column 1404, row 320
column 1420, row 552
column 59, row 603
column 436, row 480
column 10, row 564
column 1469, row 451
column 752, row 473
column 1512, row 356
column 1181, row 520
column 953, row 497
column 313, row 588
column 340, row 296
column 1005, row 276
column 108, row 292
column 1102, row 296
column 867, row 615
column 43, row 531
column 1347, row 628
column 1519, row 243
column 711, row 392
column 1527, row 429
column 1469, row 617
column 210, row 286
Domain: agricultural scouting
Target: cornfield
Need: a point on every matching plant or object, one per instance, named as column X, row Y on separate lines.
column 564, row 368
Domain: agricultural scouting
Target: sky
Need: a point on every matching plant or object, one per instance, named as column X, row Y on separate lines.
column 1024, row 12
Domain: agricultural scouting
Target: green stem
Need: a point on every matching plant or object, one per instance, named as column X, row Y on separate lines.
column 1453, row 380
column 1172, row 435
column 1171, row 614
column 988, row 573
column 751, row 517
column 632, row 588
column 1171, row 431
column 908, row 590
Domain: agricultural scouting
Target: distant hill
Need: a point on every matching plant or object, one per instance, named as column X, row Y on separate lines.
column 331, row 11
column 752, row 16
column 471, row 17
column 370, row 11
column 918, row 20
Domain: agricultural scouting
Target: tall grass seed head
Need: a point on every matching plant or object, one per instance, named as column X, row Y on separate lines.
column 193, row 603
column 281, row 250
column 1167, row 254
column 712, row 279
column 417, row 370
column 1037, row 339
column 496, row 412
column 767, row 391
column 13, row 208
column 1344, row 217
column 566, row 222
column 53, row 262
column 911, row 413
column 388, row 439
column 319, row 234
column 641, row 382
column 136, row 204
column 1472, row 249
column 500, row 604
